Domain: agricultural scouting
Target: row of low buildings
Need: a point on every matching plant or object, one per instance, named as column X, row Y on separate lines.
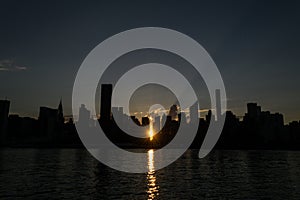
column 50, row 127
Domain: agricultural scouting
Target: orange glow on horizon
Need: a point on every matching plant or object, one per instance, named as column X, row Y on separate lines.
column 151, row 131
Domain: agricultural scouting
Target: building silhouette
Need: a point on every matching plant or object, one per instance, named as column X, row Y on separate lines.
column 208, row 116
column 145, row 121
column 4, row 111
column 173, row 112
column 253, row 111
column 218, row 104
column 60, row 113
column 84, row 116
column 156, row 124
column 105, row 107
column 51, row 122
column 135, row 120
column 163, row 120
column 182, row 118
column 194, row 117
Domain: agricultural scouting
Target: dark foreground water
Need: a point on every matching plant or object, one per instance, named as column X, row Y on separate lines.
column 74, row 174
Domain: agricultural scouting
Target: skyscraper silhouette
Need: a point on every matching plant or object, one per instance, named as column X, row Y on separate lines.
column 4, row 110
column 105, row 107
column 48, row 121
column 194, row 117
column 173, row 112
column 253, row 110
column 60, row 113
column 51, row 121
column 156, row 124
column 84, row 116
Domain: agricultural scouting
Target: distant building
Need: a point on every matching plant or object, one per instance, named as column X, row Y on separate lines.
column 14, row 125
column 156, row 124
column 105, row 107
column 119, row 116
column 182, row 117
column 60, row 113
column 194, row 117
column 208, row 116
column 173, row 112
column 163, row 121
column 4, row 110
column 218, row 105
column 135, row 120
column 28, row 127
column 145, row 121
column 253, row 111
column 51, row 121
column 48, row 122
column 21, row 128
column 84, row 116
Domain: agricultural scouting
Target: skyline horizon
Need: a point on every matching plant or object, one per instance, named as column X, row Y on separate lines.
column 138, row 116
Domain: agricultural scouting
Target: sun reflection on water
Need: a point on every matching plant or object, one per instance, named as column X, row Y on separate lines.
column 153, row 188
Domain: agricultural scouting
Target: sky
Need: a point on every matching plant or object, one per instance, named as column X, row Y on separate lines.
column 255, row 44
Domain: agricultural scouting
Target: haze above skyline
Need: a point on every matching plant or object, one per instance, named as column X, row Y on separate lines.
column 255, row 45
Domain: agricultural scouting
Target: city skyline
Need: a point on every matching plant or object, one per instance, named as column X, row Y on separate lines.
column 139, row 115
column 259, row 129
column 191, row 111
column 254, row 44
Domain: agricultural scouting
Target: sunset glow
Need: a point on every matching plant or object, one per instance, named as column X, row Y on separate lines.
column 151, row 132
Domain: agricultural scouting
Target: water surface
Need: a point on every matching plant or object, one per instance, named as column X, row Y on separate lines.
column 75, row 174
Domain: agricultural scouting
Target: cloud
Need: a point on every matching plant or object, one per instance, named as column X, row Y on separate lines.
column 11, row 66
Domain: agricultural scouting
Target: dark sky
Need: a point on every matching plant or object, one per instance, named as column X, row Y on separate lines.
column 255, row 44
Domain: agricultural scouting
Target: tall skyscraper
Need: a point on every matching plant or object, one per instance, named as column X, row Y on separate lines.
column 156, row 124
column 84, row 116
column 48, row 118
column 218, row 104
column 173, row 112
column 182, row 118
column 51, row 121
column 163, row 121
column 60, row 113
column 253, row 110
column 4, row 110
column 105, row 107
column 194, row 117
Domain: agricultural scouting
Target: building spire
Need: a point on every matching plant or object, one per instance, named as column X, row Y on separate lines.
column 60, row 107
column 60, row 113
